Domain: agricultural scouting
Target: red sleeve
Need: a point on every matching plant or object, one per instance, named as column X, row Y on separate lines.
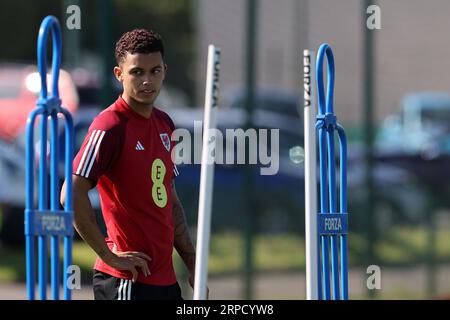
column 101, row 147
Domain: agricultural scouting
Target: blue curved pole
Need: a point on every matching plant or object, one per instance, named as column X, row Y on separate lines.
column 49, row 24
column 343, row 210
column 36, row 221
column 54, row 203
column 69, row 137
column 325, row 272
column 43, row 205
column 325, row 106
column 29, row 204
column 334, row 241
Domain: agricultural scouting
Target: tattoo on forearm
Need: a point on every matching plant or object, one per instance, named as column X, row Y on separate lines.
column 183, row 242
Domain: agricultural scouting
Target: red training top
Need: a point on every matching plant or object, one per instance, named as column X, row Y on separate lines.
column 128, row 156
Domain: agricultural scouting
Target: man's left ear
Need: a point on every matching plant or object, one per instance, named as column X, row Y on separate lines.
column 165, row 70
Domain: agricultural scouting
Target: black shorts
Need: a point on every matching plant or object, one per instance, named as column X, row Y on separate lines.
column 107, row 287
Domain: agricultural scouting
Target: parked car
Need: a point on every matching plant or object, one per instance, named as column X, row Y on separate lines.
column 417, row 140
column 418, row 137
column 421, row 126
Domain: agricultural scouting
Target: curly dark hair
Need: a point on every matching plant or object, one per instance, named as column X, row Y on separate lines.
column 138, row 41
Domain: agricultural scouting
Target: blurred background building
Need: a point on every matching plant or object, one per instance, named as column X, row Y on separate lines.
column 408, row 48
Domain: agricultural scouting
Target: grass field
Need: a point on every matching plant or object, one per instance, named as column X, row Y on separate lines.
column 278, row 253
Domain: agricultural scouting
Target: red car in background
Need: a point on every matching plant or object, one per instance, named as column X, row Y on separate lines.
column 19, row 90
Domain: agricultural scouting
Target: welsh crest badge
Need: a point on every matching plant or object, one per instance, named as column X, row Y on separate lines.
column 165, row 140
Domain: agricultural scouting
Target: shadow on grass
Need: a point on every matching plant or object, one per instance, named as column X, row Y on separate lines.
column 13, row 268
